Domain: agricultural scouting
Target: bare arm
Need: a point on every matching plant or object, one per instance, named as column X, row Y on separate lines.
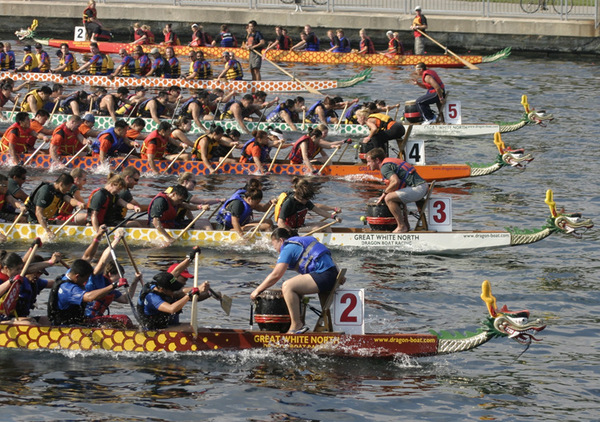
column 271, row 279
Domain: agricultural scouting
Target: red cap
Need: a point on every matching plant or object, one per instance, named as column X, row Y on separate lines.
column 184, row 273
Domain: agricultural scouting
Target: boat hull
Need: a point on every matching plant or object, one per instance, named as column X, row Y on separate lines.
column 309, row 57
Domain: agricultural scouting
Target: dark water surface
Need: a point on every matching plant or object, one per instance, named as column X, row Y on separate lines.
column 556, row 279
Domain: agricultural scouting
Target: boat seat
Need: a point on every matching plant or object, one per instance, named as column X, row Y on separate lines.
column 440, row 107
column 324, row 322
column 421, row 207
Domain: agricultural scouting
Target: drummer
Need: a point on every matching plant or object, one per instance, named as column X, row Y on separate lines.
column 312, row 260
column 382, row 129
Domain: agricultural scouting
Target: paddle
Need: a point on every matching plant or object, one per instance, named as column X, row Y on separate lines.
column 71, row 217
column 130, row 255
column 14, row 107
column 133, row 216
column 53, row 110
column 175, row 159
column 463, row 61
column 212, row 214
column 189, row 226
column 225, row 300
column 308, row 88
column 326, row 163
column 217, row 110
column 12, row 226
column 76, row 155
column 175, row 108
column 337, row 125
column 275, row 156
column 114, row 257
column 402, row 144
column 34, row 153
column 11, row 297
column 348, row 142
column 194, row 312
column 125, row 159
column 224, row 158
column 264, row 217
column 320, row 228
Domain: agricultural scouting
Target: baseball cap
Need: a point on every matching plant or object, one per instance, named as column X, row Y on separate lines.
column 417, row 8
column 389, row 33
column 154, row 51
column 27, row 48
column 279, row 135
column 39, row 46
column 166, row 280
column 195, row 25
column 184, row 273
column 89, row 118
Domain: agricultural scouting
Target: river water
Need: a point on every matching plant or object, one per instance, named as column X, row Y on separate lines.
column 556, row 279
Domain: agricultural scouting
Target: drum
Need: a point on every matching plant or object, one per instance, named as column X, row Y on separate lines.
column 412, row 114
column 271, row 312
column 380, row 218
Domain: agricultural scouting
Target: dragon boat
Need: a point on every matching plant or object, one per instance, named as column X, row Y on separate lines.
column 435, row 130
column 500, row 323
column 363, row 239
column 281, row 56
column 440, row 172
column 238, row 86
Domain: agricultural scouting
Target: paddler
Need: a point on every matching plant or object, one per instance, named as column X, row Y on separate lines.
column 103, row 200
column 382, row 129
column 171, row 37
column 30, row 61
column 436, row 93
column 163, row 211
column 109, row 103
column 99, row 64
column 155, row 146
column 19, row 137
column 68, row 62
column 143, row 64
column 159, row 64
column 155, row 107
column 87, row 126
column 79, row 180
column 17, row 175
column 35, row 99
column 233, row 69
column 255, row 42
column 173, row 64
column 309, row 41
column 200, row 68
column 6, row 91
column 113, row 141
column 257, row 150
column 43, row 58
column 66, row 139
column 237, row 212
column 197, row 107
column 127, row 66
column 323, row 111
column 212, row 146
column 38, row 122
column 306, row 148
column 45, row 201
column 117, row 213
column 240, row 111
column 405, row 185
column 308, row 257
column 366, row 45
column 9, row 205
column 288, row 112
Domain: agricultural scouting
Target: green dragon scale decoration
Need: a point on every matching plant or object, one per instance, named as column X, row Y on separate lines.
column 530, row 116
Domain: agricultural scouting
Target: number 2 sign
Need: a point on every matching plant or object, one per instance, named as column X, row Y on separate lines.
column 452, row 113
column 79, row 33
column 349, row 310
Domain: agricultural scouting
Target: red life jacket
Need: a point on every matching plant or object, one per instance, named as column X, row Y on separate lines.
column 169, row 217
column 296, row 153
column 402, row 166
column 21, row 138
column 435, row 76
column 69, row 144
column 161, row 145
column 108, row 203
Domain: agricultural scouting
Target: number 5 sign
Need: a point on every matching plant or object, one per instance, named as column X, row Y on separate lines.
column 452, row 113
column 349, row 311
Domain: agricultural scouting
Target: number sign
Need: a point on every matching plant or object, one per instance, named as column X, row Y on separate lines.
column 414, row 152
column 349, row 311
column 439, row 213
column 79, row 33
column 452, row 113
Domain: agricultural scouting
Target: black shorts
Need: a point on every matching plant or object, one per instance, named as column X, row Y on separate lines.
column 325, row 280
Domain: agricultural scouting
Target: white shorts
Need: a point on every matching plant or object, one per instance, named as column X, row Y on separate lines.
column 412, row 193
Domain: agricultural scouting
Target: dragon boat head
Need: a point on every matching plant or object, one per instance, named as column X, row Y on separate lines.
column 533, row 116
column 512, row 324
column 511, row 157
column 572, row 224
column 27, row 33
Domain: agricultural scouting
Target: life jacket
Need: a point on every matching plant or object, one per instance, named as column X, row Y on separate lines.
column 203, row 68
column 161, row 145
column 33, row 65
column 285, row 44
column 275, row 116
column 227, row 40
column 169, row 217
column 99, row 307
column 70, row 143
column 160, row 319
column 312, row 42
column 44, row 61
column 110, row 64
column 294, row 221
column 313, row 250
column 129, row 67
column 150, row 36
column 10, row 60
column 73, row 315
column 65, row 105
column 98, row 67
column 417, row 21
column 435, row 76
column 143, row 65
column 143, row 110
column 235, row 71
column 402, row 171
column 212, row 144
column 139, row 33
column 51, row 209
column 174, row 69
column 246, row 157
column 349, row 117
column 38, row 100
column 22, row 139
column 344, row 45
column 369, row 44
column 384, row 122
column 109, row 202
column 86, row 18
column 395, row 45
column 116, row 142
column 224, row 215
column 172, row 38
column 296, row 153
column 3, row 201
column 66, row 209
column 72, row 66
column 312, row 115
column 181, row 210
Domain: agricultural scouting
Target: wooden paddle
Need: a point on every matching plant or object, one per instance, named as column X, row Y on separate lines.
column 71, row 217
column 225, row 158
column 194, row 312
column 125, row 159
column 189, row 226
column 175, row 159
column 225, row 300
column 326, row 163
column 12, row 226
column 10, row 116
column 53, row 110
column 264, row 217
column 348, row 142
column 402, row 144
column 308, row 88
column 337, row 125
column 76, row 155
column 460, row 59
column 8, row 302
column 275, row 156
column 34, row 153
column 130, row 255
column 175, row 108
column 320, row 228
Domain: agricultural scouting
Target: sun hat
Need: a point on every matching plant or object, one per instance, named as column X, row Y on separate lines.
column 154, row 51
column 184, row 273
column 417, row 8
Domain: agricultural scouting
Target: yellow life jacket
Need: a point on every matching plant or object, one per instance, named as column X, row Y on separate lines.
column 34, row 65
column 38, row 100
column 280, row 200
column 72, row 67
column 43, row 64
column 211, row 144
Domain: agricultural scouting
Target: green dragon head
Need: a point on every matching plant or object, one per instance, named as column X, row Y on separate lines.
column 27, row 33
column 511, row 157
column 532, row 116
column 512, row 324
column 572, row 224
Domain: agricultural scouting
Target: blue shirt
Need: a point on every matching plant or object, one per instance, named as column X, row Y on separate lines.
column 153, row 302
column 70, row 294
column 98, row 307
column 291, row 253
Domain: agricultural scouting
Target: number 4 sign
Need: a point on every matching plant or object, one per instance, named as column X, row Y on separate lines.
column 452, row 113
column 349, row 311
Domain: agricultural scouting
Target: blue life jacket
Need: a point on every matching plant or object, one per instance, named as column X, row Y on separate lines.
column 313, row 250
column 116, row 144
column 224, row 215
column 275, row 117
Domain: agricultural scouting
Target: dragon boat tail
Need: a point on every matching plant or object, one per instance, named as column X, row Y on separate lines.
column 500, row 323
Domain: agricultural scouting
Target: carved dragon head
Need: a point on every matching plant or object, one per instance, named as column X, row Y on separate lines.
column 532, row 116
column 511, row 157
column 512, row 324
column 27, row 33
column 572, row 224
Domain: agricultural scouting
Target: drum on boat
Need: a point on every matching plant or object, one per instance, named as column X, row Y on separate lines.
column 412, row 114
column 271, row 312
column 379, row 217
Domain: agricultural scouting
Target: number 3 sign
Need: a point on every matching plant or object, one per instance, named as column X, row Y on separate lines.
column 349, row 311
column 439, row 214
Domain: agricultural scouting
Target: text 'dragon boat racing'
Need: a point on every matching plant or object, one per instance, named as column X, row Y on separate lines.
column 500, row 323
